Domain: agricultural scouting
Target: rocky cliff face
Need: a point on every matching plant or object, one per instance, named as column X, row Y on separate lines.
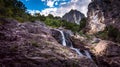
column 32, row 45
column 107, row 54
column 73, row 16
column 102, row 13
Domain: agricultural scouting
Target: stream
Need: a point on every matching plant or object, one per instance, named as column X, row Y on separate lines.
column 86, row 53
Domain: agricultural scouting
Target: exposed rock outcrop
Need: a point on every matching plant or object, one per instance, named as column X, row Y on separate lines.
column 32, row 45
column 107, row 54
column 73, row 16
column 78, row 44
column 102, row 13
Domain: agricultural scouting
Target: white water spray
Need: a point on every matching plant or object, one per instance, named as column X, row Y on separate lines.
column 77, row 51
column 87, row 54
column 63, row 37
column 64, row 44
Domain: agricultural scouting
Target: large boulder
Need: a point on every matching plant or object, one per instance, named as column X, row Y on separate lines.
column 107, row 53
column 77, row 43
column 32, row 45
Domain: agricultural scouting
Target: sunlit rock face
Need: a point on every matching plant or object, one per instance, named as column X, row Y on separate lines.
column 107, row 54
column 102, row 13
column 73, row 16
column 95, row 20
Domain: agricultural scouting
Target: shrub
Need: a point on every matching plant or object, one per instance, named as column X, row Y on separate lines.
column 110, row 33
column 82, row 23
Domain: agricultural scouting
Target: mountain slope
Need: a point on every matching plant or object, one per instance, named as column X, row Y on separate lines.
column 73, row 16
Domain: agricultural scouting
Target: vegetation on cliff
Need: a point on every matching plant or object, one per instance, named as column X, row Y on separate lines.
column 110, row 33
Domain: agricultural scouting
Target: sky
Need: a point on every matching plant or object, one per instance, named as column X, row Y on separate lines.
column 55, row 7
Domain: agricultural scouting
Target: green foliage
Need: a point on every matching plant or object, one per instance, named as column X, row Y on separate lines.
column 13, row 9
column 83, row 23
column 81, row 33
column 114, row 33
column 50, row 16
column 110, row 33
column 34, row 44
column 102, row 34
column 72, row 26
column 53, row 22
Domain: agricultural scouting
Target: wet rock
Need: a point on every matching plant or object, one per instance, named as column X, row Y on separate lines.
column 57, row 35
column 78, row 43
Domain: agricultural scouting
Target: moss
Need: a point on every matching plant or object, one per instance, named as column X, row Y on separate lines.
column 14, row 48
column 35, row 44
column 48, row 43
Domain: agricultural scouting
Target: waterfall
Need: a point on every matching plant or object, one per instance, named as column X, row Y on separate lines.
column 63, row 37
column 71, row 47
column 64, row 43
column 87, row 54
column 77, row 51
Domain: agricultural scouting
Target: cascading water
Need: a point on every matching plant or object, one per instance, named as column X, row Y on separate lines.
column 64, row 44
column 87, row 54
column 75, row 49
column 63, row 38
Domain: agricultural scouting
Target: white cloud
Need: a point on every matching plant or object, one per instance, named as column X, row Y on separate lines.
column 74, row 0
column 50, row 3
column 56, row 3
column 49, row 11
column 63, row 3
column 32, row 12
column 80, row 5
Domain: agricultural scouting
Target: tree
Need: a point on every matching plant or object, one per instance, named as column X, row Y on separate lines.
column 82, row 23
column 50, row 16
column 12, row 8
